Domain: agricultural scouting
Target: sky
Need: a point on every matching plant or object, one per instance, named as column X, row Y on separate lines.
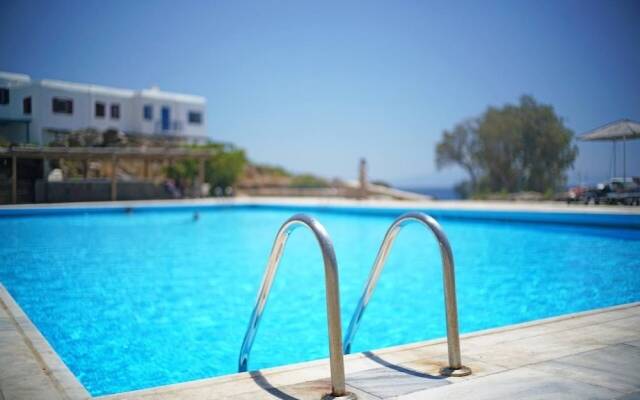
column 315, row 86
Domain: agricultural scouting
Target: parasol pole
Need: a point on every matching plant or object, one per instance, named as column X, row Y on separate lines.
column 624, row 160
column 614, row 159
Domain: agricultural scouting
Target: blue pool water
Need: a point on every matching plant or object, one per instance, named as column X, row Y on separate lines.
column 135, row 300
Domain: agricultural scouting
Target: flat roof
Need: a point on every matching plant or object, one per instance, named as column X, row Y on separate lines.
column 152, row 93
column 11, row 76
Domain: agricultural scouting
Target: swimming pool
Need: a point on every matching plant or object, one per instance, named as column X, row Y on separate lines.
column 152, row 297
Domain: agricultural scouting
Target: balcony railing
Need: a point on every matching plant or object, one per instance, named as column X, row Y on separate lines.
column 174, row 127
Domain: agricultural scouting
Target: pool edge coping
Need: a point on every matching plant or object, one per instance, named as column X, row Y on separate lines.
column 70, row 387
column 52, row 365
column 321, row 202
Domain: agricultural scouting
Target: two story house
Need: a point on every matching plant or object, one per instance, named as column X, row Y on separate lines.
column 37, row 111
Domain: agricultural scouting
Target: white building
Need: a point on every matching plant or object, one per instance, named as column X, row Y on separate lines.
column 33, row 111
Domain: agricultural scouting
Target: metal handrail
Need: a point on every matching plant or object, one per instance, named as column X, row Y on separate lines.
column 336, row 359
column 455, row 367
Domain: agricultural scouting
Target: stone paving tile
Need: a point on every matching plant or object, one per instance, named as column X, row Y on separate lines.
column 532, row 350
column 608, row 333
column 433, row 365
column 403, row 378
column 520, row 384
column 630, row 310
column 313, row 390
column 510, row 336
column 385, row 382
column 630, row 396
column 21, row 378
column 552, row 325
column 615, row 367
column 632, row 322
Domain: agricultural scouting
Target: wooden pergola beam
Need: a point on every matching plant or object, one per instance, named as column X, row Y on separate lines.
column 154, row 153
column 114, row 178
column 14, row 179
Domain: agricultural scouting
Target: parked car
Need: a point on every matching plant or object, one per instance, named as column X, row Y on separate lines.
column 625, row 191
column 574, row 194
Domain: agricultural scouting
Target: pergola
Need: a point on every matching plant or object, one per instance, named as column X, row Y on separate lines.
column 624, row 129
column 111, row 154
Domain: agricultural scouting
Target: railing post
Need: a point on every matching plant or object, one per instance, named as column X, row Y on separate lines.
column 455, row 367
column 14, row 179
column 85, row 164
column 201, row 162
column 336, row 359
column 146, row 168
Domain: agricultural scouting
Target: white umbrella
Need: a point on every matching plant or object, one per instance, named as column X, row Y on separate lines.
column 618, row 130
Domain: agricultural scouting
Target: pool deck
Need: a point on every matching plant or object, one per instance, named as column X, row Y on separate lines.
column 589, row 355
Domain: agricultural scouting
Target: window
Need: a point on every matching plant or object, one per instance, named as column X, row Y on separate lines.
column 101, row 110
column 115, row 111
column 148, row 112
column 26, row 105
column 195, row 117
column 62, row 106
column 4, row 96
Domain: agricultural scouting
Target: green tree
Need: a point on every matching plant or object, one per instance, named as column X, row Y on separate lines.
column 523, row 147
column 225, row 167
column 308, row 181
column 222, row 169
column 460, row 147
column 273, row 170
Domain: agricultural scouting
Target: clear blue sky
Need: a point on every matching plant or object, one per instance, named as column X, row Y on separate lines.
column 314, row 86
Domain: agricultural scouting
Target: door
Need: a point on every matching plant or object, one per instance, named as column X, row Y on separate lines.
column 166, row 118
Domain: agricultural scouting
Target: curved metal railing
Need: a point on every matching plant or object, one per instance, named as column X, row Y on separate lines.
column 336, row 359
column 455, row 367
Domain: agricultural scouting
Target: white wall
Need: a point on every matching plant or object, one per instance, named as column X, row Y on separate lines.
column 84, row 98
column 124, row 123
column 83, row 115
column 178, row 113
column 18, row 90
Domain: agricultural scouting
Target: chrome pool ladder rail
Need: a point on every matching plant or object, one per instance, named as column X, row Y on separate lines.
column 455, row 367
column 336, row 358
